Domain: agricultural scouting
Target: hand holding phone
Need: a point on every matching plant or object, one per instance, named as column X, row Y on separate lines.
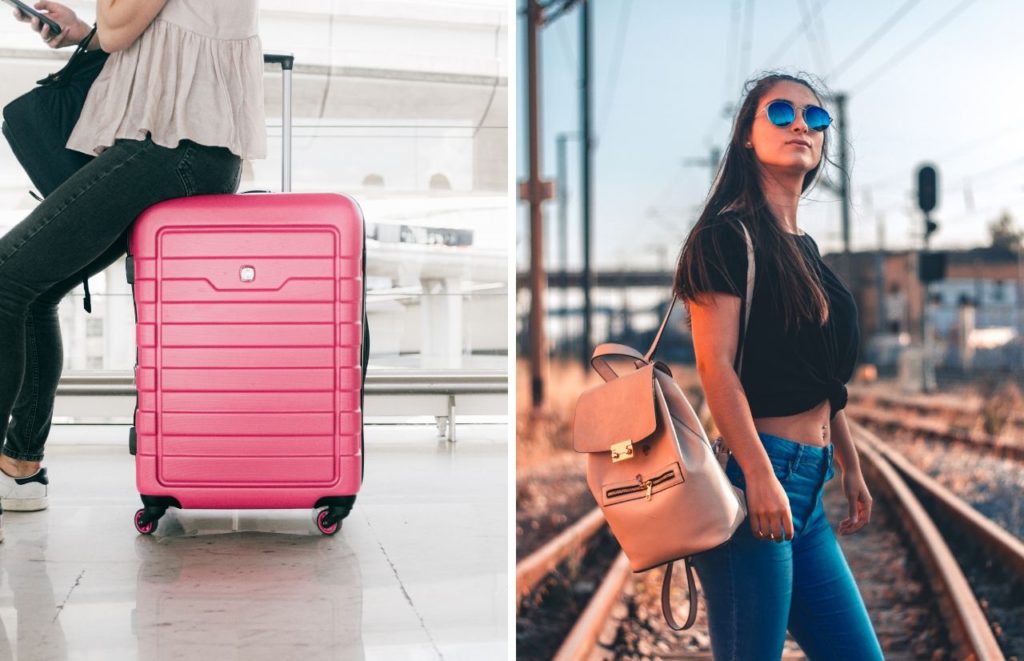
column 48, row 24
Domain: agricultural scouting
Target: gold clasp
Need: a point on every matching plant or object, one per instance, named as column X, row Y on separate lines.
column 622, row 451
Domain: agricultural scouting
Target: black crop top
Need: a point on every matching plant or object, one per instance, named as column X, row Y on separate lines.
column 785, row 374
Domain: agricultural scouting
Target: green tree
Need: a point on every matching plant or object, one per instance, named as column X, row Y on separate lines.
column 1005, row 234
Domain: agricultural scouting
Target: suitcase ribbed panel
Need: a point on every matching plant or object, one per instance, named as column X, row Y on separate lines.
column 249, row 331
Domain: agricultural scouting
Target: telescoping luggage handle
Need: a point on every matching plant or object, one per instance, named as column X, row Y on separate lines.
column 287, row 61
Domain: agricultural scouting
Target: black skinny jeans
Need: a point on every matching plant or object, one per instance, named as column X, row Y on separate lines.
column 77, row 231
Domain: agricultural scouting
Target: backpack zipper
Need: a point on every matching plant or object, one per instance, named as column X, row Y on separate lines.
column 643, row 485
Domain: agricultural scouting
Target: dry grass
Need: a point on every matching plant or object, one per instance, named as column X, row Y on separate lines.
column 1001, row 400
column 544, row 435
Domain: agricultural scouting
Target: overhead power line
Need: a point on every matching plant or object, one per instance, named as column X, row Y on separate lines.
column 811, row 36
column 792, row 37
column 733, row 42
column 969, row 182
column 826, row 48
column 912, row 46
column 746, row 44
column 879, row 32
column 568, row 54
column 613, row 76
column 975, row 142
column 557, row 7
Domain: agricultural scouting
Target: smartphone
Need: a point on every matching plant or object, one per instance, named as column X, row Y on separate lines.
column 29, row 11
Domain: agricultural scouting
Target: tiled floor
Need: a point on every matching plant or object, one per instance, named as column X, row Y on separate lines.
column 418, row 571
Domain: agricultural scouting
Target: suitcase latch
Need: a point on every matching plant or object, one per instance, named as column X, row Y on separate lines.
column 247, row 273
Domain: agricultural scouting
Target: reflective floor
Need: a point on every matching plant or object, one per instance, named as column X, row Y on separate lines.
column 418, row 571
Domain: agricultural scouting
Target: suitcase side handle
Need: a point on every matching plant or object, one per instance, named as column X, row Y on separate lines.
column 287, row 62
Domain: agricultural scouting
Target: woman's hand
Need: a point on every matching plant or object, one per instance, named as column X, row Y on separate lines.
column 768, row 507
column 72, row 29
column 860, row 503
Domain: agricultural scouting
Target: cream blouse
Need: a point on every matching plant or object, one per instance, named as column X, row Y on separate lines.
column 196, row 72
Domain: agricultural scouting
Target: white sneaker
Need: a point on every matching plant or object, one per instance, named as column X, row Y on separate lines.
column 24, row 494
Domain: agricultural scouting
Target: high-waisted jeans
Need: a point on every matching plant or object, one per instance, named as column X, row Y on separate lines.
column 755, row 589
column 77, row 231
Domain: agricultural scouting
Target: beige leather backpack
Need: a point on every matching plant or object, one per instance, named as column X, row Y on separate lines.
column 659, row 481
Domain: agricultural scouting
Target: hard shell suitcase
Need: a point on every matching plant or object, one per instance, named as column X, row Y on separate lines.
column 251, row 350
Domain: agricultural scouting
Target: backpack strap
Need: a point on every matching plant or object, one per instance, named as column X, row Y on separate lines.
column 751, row 271
column 666, row 584
column 748, row 301
column 599, row 361
column 666, row 606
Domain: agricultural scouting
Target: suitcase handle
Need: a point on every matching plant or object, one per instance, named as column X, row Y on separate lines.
column 287, row 61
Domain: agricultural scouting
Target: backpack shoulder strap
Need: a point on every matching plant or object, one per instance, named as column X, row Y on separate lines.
column 751, row 271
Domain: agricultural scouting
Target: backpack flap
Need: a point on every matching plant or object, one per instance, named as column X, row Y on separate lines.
column 615, row 415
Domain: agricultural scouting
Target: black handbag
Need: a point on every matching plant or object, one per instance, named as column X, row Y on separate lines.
column 39, row 123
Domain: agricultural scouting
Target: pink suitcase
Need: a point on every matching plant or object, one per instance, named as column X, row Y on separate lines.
column 250, row 330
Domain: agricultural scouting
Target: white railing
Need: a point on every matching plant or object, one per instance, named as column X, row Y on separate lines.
column 109, row 397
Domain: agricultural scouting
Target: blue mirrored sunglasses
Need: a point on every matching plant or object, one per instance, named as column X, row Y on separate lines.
column 782, row 113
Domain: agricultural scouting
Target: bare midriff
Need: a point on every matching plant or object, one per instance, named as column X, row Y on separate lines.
column 810, row 427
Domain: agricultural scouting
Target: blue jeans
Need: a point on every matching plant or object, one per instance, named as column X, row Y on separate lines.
column 77, row 231
column 755, row 589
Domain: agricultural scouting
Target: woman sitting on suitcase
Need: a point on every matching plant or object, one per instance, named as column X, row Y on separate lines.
column 177, row 106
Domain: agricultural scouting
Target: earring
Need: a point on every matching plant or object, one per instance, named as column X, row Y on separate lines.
column 749, row 145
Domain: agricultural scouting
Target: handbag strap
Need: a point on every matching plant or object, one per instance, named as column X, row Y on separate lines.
column 666, row 606
column 746, row 307
column 72, row 61
column 84, row 43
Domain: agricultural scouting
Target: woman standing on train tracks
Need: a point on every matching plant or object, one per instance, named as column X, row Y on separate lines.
column 783, row 418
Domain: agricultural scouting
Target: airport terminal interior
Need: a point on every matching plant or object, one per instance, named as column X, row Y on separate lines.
column 419, row 568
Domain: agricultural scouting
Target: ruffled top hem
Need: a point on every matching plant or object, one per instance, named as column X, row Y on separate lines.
column 174, row 83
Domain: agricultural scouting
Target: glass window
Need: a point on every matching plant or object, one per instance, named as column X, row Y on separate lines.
column 421, row 144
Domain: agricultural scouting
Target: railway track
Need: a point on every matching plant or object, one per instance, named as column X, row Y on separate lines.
column 935, row 528
column 958, row 406
column 940, row 418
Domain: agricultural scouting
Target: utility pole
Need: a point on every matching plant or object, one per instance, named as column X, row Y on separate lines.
column 585, row 199
column 883, row 313
column 1019, row 300
column 711, row 162
column 844, row 186
column 843, row 189
column 562, row 191
column 535, row 191
column 880, row 311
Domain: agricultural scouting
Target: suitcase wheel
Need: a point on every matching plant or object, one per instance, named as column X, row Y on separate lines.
column 328, row 520
column 146, row 519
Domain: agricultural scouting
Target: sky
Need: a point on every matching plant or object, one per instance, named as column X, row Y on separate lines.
column 927, row 82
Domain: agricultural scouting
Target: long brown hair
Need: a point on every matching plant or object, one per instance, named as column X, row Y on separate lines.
column 797, row 291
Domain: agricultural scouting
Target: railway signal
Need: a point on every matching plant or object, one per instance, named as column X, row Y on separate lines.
column 931, row 266
column 927, row 197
